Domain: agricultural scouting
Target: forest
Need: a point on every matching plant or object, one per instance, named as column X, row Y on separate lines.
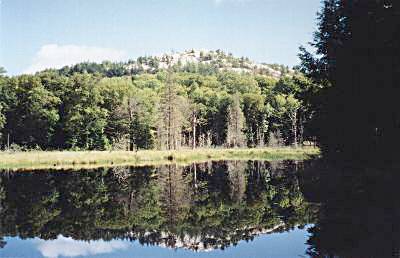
column 112, row 106
column 342, row 96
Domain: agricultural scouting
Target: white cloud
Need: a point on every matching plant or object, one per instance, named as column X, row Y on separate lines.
column 66, row 246
column 57, row 56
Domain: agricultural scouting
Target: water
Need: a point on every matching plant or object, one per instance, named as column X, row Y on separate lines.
column 214, row 209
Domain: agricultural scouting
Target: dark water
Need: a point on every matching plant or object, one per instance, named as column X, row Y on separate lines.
column 215, row 209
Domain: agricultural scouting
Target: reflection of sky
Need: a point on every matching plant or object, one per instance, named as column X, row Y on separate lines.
column 282, row 245
column 64, row 246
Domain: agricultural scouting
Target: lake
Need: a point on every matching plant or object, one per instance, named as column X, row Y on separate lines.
column 213, row 209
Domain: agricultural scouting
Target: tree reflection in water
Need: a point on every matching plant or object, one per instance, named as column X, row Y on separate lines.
column 199, row 207
column 359, row 211
column 209, row 206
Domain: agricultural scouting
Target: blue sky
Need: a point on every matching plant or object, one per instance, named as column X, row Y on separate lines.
column 50, row 33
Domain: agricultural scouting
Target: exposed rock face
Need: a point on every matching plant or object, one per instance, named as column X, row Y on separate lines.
column 200, row 243
column 216, row 59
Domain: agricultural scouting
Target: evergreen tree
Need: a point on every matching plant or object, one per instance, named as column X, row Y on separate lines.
column 357, row 43
column 171, row 116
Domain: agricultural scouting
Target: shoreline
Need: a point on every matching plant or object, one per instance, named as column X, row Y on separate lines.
column 95, row 159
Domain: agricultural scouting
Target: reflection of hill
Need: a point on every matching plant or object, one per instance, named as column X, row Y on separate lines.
column 201, row 243
column 199, row 207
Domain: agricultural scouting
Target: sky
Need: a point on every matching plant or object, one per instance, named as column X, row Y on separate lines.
column 39, row 34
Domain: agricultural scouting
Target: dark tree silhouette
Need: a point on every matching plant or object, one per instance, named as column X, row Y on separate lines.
column 357, row 62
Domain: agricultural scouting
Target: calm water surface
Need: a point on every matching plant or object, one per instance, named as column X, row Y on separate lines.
column 215, row 209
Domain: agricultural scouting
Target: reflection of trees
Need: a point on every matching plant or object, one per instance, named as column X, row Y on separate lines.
column 174, row 193
column 359, row 211
column 209, row 205
column 237, row 179
column 202, row 206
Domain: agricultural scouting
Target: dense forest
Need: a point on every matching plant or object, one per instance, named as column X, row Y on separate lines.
column 147, row 104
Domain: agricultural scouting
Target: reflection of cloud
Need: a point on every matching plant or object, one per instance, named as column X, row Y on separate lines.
column 57, row 56
column 66, row 246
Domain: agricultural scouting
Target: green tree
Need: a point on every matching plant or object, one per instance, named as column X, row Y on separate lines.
column 256, row 115
column 85, row 119
column 3, row 82
column 114, row 91
column 286, row 110
column 31, row 114
column 142, row 114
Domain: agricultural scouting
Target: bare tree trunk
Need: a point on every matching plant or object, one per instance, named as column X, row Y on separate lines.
column 131, row 107
column 194, row 131
column 301, row 130
column 236, row 127
column 131, row 142
column 169, row 128
column 195, row 175
column 294, row 128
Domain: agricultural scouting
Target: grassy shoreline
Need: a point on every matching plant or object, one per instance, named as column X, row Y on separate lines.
column 93, row 159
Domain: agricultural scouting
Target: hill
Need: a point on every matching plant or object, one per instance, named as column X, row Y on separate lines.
column 197, row 61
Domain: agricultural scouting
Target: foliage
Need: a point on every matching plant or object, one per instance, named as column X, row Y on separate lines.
column 30, row 112
column 85, row 118
column 95, row 107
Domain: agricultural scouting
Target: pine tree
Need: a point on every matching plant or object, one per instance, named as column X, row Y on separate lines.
column 358, row 48
column 171, row 116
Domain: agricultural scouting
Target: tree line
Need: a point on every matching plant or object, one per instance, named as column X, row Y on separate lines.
column 168, row 109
